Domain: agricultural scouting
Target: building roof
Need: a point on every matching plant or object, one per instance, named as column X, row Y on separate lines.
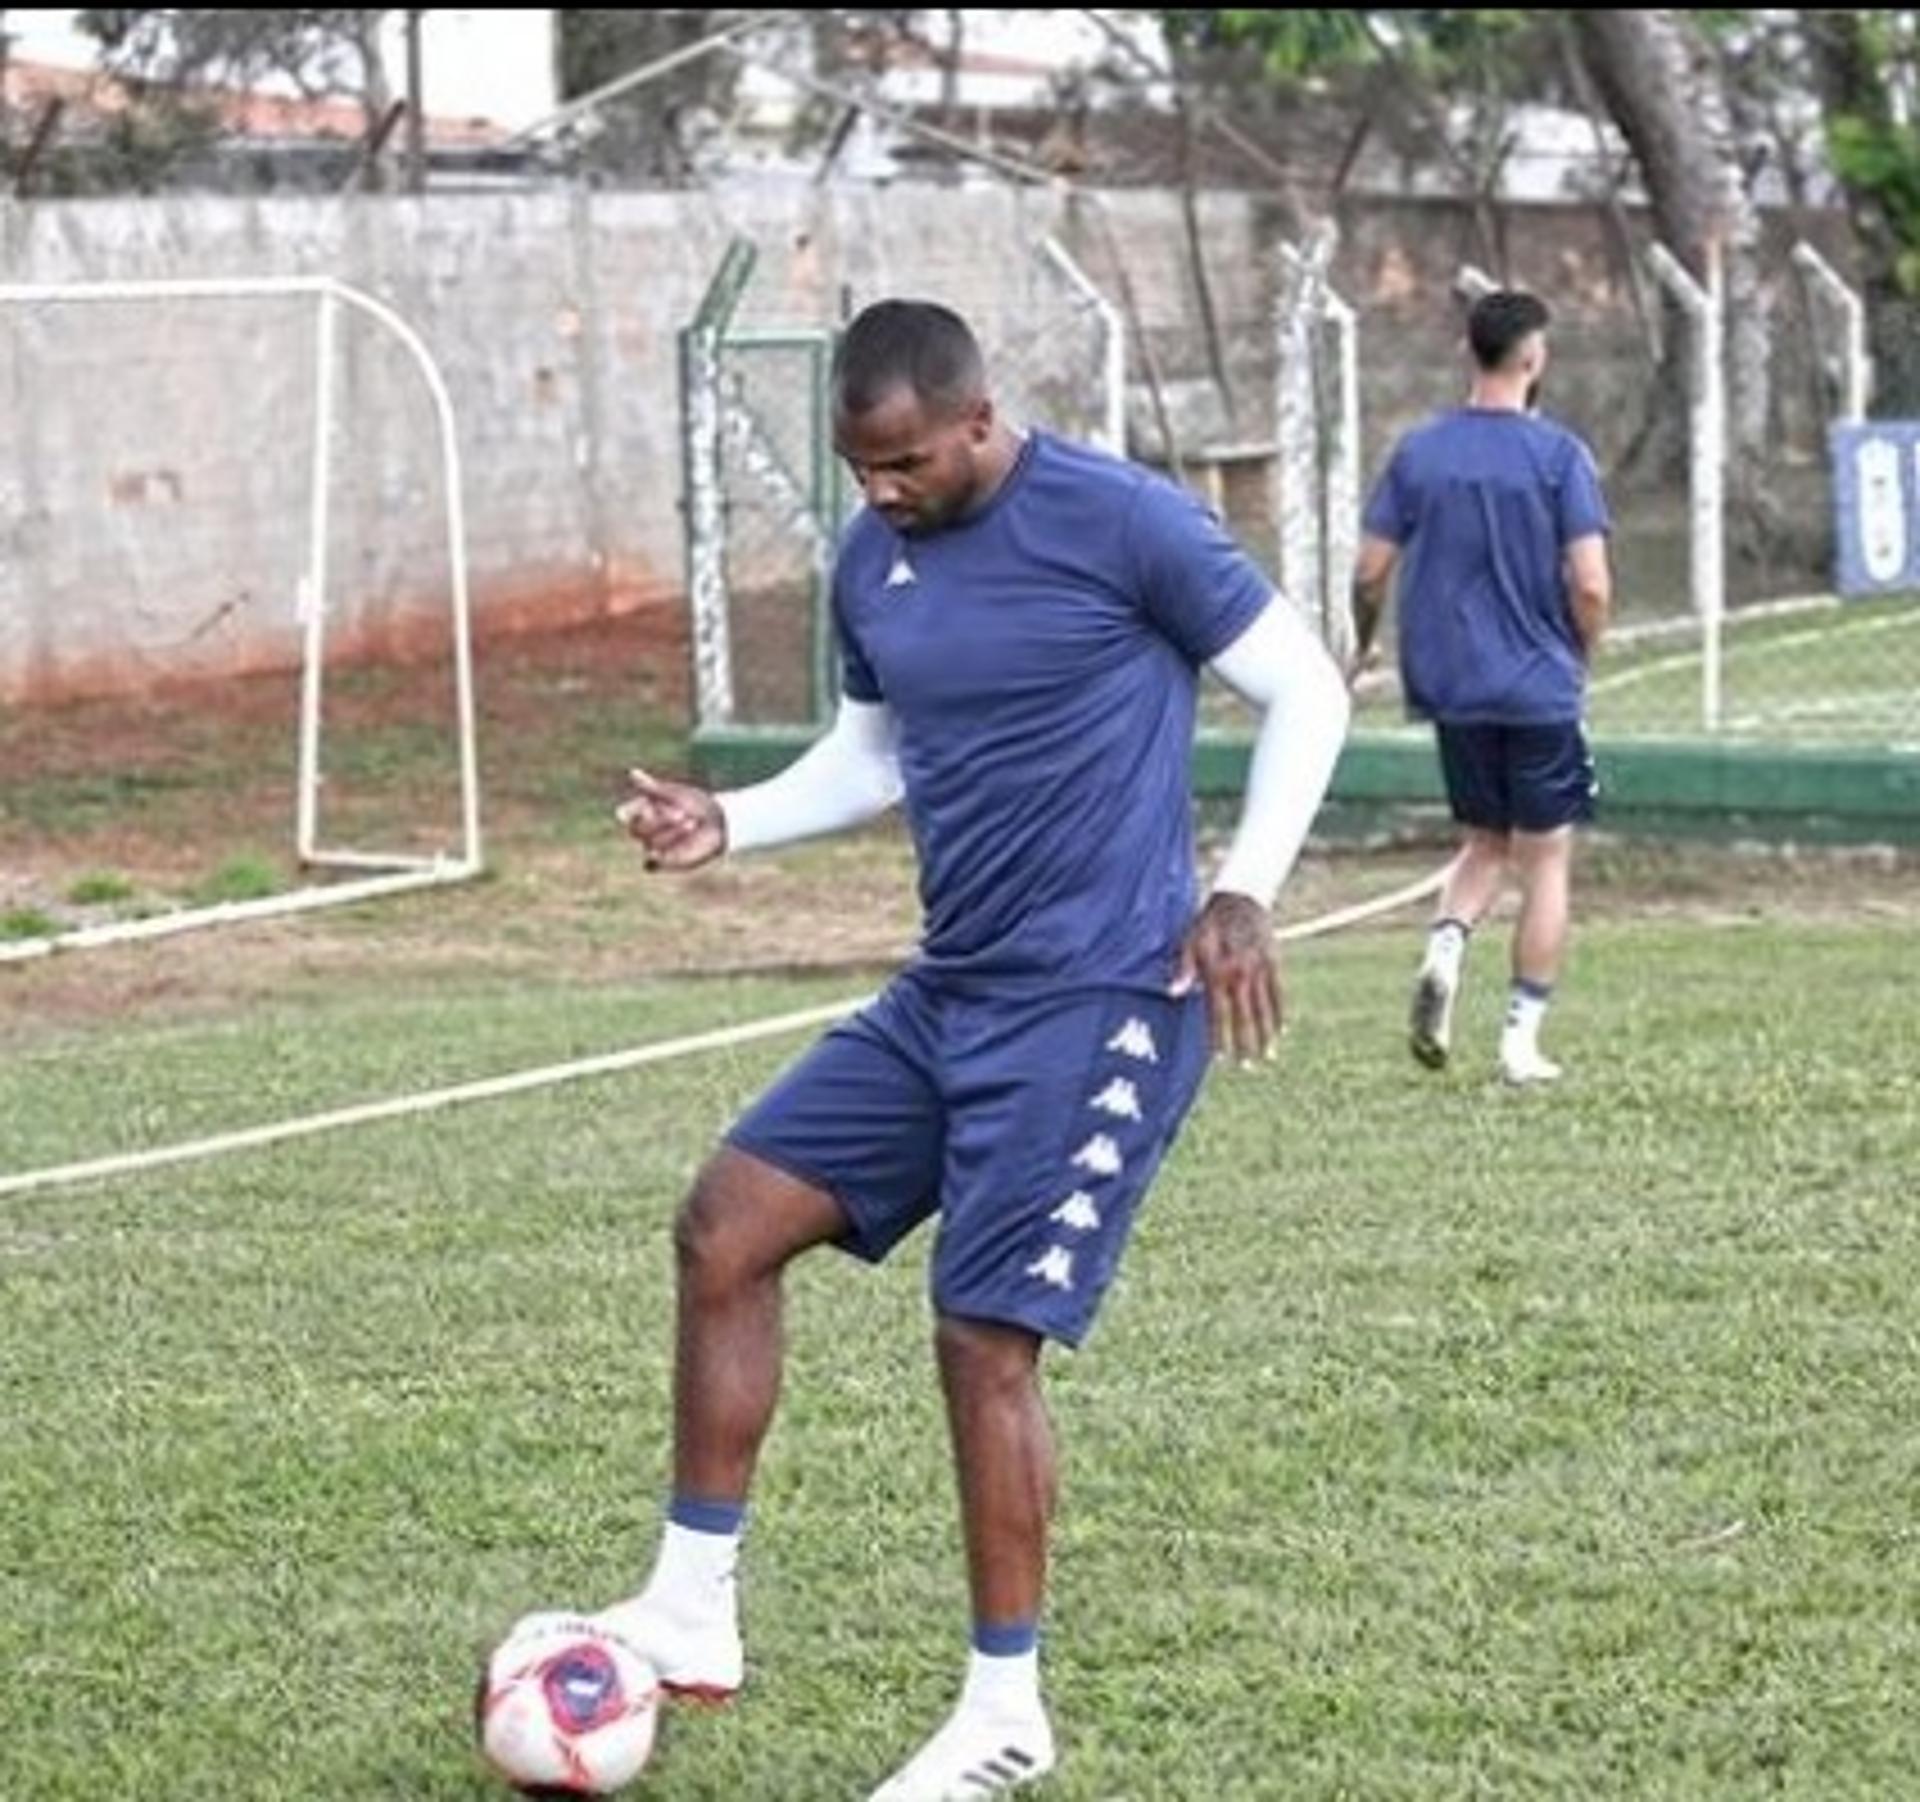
column 93, row 95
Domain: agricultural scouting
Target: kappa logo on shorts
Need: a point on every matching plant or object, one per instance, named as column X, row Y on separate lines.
column 1078, row 1211
column 1100, row 1155
column 1135, row 1040
column 1054, row 1266
column 1120, row 1099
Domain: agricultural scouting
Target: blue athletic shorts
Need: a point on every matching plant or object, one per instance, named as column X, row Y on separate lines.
column 1533, row 778
column 1032, row 1127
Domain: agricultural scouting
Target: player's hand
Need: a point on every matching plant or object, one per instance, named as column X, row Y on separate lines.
column 1361, row 665
column 1230, row 952
column 677, row 825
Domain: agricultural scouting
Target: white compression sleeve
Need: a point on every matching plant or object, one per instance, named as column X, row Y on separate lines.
column 844, row 778
column 1280, row 667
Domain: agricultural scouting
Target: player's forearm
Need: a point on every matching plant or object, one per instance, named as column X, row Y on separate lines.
column 1281, row 668
column 1592, row 608
column 1369, row 607
column 844, row 779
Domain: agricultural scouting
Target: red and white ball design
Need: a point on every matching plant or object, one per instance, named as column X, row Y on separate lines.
column 567, row 1708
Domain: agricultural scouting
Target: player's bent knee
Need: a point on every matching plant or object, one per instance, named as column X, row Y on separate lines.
column 743, row 1220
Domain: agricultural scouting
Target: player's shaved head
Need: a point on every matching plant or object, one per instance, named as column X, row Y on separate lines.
column 916, row 346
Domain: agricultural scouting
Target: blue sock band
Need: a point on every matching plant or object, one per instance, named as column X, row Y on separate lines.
column 699, row 1515
column 1010, row 1639
column 1534, row 991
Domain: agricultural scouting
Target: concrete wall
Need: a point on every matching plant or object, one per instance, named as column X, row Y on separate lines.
column 154, row 466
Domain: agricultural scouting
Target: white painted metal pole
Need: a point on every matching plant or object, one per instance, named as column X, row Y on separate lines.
column 1711, row 507
column 1112, row 435
column 706, row 532
column 1706, row 459
column 1343, row 480
column 1856, row 366
column 1297, row 434
column 193, row 288
column 313, row 588
column 452, row 477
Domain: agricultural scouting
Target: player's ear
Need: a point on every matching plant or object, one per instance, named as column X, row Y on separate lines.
column 980, row 418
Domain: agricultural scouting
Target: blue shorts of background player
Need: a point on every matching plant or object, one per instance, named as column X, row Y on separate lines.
column 1517, row 778
column 1030, row 1127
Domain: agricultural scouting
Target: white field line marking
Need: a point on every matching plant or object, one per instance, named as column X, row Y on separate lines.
column 547, row 1076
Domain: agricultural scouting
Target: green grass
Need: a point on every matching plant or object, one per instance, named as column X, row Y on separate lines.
column 248, row 877
column 100, row 889
column 1851, row 674
column 1437, row 1442
column 27, row 923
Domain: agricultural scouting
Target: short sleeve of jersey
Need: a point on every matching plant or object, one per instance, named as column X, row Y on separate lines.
column 857, row 680
column 1386, row 515
column 1198, row 587
column 1583, row 508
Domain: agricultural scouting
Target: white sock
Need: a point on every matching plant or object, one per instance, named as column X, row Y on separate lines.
column 693, row 1576
column 1447, row 950
column 1526, row 1008
column 1002, row 1686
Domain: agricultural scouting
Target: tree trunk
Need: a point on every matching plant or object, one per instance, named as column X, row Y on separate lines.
column 1664, row 88
column 376, row 96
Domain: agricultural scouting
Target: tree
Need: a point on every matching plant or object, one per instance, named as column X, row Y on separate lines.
column 1866, row 67
column 1438, row 86
column 1665, row 88
column 171, row 57
column 657, row 134
column 1662, row 82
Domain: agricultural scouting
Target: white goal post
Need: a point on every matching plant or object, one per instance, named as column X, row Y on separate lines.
column 378, row 873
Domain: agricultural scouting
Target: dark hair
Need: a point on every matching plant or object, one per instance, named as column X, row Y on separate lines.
column 1500, row 320
column 913, row 344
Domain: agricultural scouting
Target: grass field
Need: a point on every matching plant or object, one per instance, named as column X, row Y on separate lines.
column 1822, row 675
column 1437, row 1441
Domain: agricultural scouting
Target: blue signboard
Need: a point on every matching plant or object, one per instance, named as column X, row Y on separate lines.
column 1876, row 498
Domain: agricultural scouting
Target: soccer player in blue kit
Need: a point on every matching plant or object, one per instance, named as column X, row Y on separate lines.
column 1023, row 623
column 1496, row 518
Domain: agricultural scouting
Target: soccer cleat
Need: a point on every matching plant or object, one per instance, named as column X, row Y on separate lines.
column 1522, row 1065
column 975, row 1754
column 1430, row 1030
column 698, row 1660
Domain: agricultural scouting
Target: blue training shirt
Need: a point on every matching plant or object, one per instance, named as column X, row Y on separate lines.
column 1483, row 504
column 1042, row 660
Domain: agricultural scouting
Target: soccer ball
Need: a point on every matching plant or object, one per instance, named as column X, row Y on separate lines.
column 566, row 1708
